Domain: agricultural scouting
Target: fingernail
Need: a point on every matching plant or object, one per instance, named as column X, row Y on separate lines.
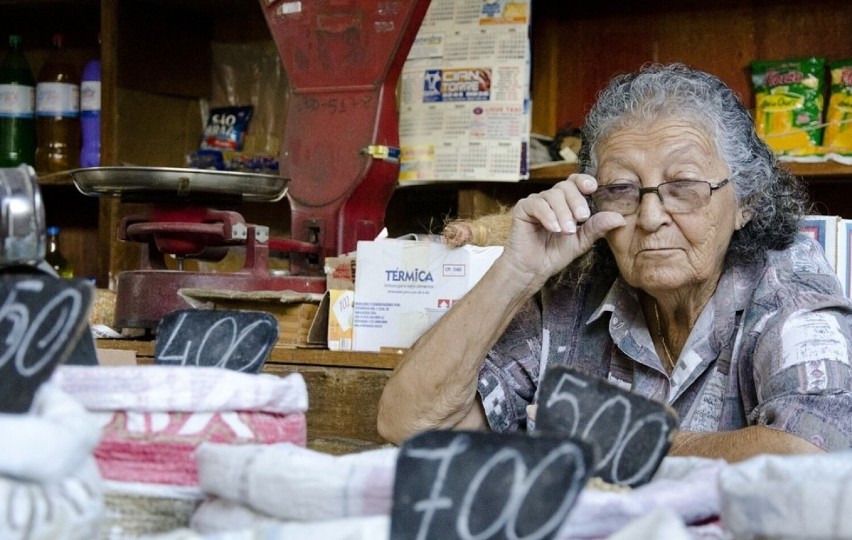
column 588, row 183
column 583, row 213
column 570, row 227
column 554, row 226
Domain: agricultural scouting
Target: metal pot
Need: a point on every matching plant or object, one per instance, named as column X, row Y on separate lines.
column 22, row 240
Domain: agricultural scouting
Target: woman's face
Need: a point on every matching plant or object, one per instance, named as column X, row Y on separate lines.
column 658, row 251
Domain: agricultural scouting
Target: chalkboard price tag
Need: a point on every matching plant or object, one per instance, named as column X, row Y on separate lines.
column 42, row 318
column 463, row 484
column 236, row 340
column 631, row 433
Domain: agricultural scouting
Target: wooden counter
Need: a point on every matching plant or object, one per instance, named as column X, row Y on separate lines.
column 343, row 390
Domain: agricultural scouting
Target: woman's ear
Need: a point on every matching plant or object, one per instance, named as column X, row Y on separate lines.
column 743, row 217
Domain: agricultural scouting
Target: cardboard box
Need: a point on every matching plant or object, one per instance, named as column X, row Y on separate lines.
column 403, row 286
column 341, row 314
column 339, row 301
column 296, row 312
column 844, row 253
column 823, row 229
column 834, row 234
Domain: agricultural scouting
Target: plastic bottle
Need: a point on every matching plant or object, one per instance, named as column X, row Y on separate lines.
column 17, row 108
column 54, row 256
column 90, row 114
column 57, row 113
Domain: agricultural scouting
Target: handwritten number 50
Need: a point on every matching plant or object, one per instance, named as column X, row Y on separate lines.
column 48, row 332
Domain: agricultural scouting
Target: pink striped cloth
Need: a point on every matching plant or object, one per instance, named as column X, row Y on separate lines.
column 153, row 418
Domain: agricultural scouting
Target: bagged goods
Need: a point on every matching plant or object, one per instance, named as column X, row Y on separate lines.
column 153, row 418
column 50, row 488
column 789, row 103
column 838, row 129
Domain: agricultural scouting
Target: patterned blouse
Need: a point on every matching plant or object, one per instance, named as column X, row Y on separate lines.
column 771, row 347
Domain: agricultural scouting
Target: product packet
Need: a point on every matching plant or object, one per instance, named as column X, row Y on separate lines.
column 226, row 128
column 789, row 104
column 838, row 130
column 225, row 160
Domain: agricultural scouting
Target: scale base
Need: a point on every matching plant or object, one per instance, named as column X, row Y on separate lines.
column 143, row 297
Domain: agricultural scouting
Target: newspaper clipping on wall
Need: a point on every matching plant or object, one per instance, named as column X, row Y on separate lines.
column 464, row 93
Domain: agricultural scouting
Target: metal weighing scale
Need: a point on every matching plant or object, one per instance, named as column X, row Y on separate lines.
column 339, row 164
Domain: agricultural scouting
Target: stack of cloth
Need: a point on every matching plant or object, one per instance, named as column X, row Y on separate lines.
column 50, row 488
column 153, row 418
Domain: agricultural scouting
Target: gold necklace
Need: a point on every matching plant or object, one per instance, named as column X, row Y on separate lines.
column 662, row 337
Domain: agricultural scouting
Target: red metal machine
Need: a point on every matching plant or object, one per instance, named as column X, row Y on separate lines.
column 339, row 164
column 340, row 150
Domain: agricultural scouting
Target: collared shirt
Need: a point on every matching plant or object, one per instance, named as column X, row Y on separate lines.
column 771, row 347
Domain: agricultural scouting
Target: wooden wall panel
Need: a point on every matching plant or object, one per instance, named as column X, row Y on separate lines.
column 720, row 37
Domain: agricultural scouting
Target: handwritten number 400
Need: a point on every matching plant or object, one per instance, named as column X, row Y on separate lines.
column 228, row 324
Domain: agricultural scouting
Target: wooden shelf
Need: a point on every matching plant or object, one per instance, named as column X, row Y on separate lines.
column 810, row 171
column 386, row 360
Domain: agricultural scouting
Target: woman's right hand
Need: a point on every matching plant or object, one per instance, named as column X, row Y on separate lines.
column 552, row 228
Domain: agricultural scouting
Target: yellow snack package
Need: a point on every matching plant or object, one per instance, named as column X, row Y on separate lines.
column 789, row 104
column 838, row 131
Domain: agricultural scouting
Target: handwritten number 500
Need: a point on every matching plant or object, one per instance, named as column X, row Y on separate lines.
column 606, row 412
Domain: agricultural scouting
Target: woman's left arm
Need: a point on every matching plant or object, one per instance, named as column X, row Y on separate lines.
column 740, row 444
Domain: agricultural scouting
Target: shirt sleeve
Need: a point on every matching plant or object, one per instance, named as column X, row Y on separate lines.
column 802, row 375
column 509, row 376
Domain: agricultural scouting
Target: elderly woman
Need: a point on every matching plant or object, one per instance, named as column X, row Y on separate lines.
column 702, row 296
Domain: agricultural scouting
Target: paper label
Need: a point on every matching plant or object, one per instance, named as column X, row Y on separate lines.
column 17, row 101
column 57, row 99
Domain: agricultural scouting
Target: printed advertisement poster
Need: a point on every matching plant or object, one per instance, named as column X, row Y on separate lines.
column 464, row 93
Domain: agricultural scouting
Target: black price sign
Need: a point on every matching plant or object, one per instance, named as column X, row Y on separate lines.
column 42, row 318
column 631, row 433
column 465, row 485
column 236, row 340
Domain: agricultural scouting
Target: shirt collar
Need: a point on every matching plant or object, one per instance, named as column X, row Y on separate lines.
column 732, row 292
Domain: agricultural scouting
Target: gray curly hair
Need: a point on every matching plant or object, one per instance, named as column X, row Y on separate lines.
column 773, row 198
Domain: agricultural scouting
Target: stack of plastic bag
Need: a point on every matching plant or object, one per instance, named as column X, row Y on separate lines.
column 154, row 418
column 49, row 483
column 286, row 492
column 808, row 496
column 265, row 485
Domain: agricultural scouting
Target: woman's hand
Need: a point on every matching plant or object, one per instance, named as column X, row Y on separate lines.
column 552, row 228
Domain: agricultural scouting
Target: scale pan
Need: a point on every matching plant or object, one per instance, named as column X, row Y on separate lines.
column 180, row 182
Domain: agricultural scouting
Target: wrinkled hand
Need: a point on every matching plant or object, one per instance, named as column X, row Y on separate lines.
column 552, row 228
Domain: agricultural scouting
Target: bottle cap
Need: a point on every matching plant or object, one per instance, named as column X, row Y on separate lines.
column 53, row 229
column 14, row 40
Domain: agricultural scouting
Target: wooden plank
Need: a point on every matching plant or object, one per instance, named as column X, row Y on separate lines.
column 324, row 357
column 163, row 49
column 143, row 349
column 815, row 172
column 343, row 402
column 544, row 82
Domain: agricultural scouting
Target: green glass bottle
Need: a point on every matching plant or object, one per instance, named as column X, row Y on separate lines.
column 17, row 107
column 54, row 256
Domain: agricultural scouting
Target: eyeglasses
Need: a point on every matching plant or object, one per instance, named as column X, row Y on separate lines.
column 677, row 197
